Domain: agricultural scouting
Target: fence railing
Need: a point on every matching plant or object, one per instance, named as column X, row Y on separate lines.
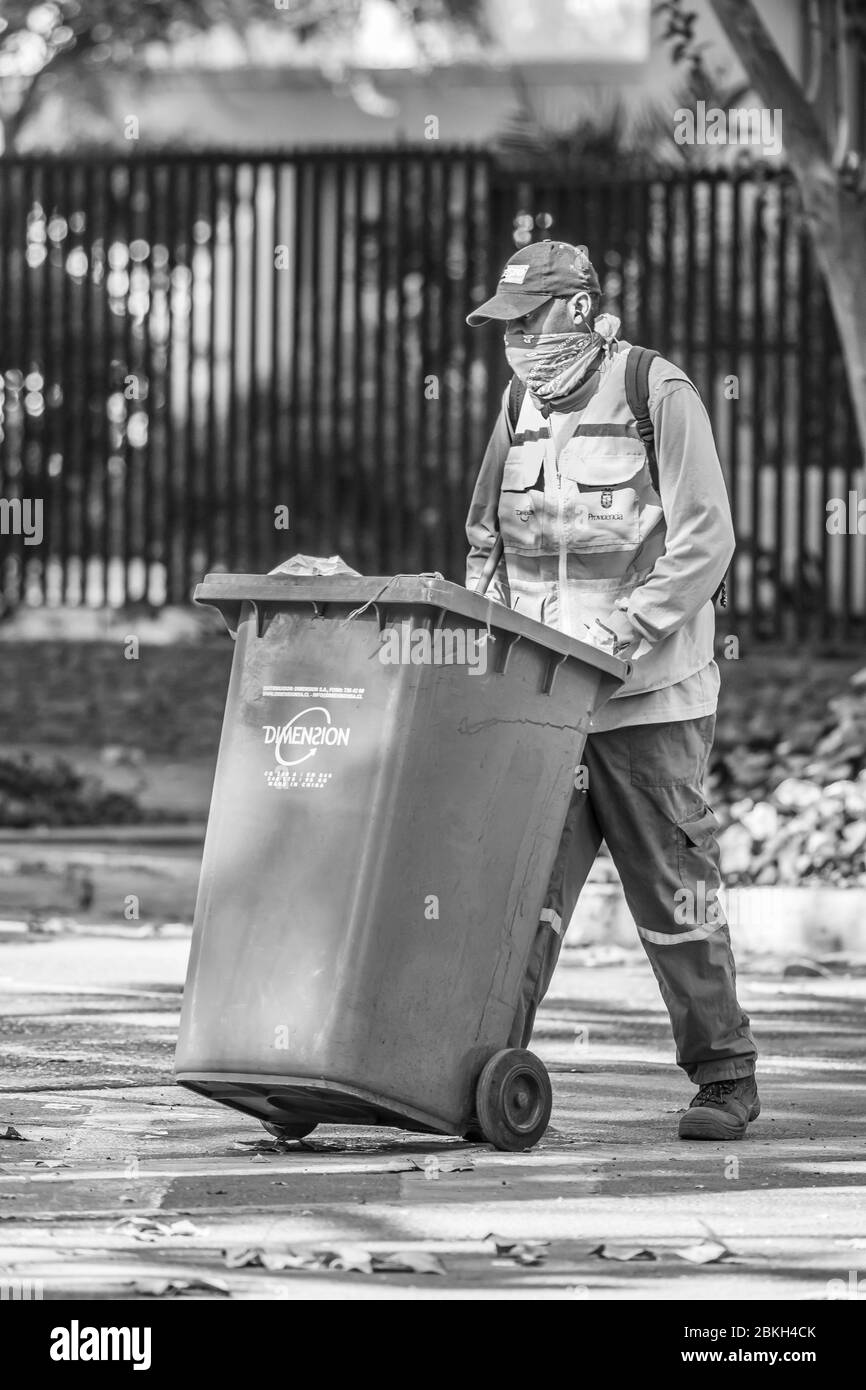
column 214, row 361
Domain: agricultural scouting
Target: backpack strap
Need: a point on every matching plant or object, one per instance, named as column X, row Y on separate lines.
column 516, row 393
column 637, row 370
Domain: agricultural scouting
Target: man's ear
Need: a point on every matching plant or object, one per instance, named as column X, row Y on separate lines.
column 580, row 308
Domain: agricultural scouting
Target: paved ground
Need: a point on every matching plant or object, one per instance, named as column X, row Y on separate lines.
column 86, row 1036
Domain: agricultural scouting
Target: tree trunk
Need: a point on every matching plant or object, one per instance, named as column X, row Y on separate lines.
column 835, row 215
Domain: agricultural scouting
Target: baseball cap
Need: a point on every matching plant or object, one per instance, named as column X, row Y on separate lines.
column 545, row 270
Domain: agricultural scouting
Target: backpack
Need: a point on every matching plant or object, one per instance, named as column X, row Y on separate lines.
column 637, row 369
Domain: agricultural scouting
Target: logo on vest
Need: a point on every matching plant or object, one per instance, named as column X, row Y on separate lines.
column 584, row 515
column 523, row 514
column 607, row 498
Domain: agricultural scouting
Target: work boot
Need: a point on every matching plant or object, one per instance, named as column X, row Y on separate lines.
column 722, row 1110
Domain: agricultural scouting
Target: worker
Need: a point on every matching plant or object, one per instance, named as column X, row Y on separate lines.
column 609, row 544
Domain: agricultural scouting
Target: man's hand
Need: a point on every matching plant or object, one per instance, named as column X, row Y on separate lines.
column 617, row 636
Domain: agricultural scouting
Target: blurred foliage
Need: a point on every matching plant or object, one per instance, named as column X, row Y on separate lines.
column 56, row 35
column 679, row 23
column 679, row 31
column 611, row 140
column 64, row 26
column 49, row 790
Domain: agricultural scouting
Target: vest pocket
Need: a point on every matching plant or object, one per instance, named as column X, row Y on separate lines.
column 602, row 475
column 536, row 601
column 521, row 500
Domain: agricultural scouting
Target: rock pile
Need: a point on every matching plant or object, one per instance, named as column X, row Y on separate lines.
column 794, row 807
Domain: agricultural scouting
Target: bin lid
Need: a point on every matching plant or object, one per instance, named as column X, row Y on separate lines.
column 229, row 592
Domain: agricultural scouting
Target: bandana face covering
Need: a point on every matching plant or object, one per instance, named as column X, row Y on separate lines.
column 554, row 365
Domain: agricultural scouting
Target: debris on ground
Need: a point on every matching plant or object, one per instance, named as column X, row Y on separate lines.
column 172, row 1288
column 623, row 1253
column 433, row 1166
column 148, row 1229
column 705, row 1252
column 519, row 1252
column 262, row 1146
column 356, row 1259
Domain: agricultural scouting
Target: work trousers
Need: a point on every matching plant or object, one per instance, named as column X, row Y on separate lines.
column 643, row 795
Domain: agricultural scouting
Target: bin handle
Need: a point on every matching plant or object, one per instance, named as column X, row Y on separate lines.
column 491, row 564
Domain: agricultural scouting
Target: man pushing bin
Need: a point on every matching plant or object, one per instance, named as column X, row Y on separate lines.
column 602, row 487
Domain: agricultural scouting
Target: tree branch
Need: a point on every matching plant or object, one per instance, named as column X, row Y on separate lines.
column 835, row 215
column 773, row 81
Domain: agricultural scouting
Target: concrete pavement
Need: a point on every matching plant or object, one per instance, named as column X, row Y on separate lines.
column 113, row 1156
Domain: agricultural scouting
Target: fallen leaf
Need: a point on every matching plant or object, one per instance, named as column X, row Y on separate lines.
column 145, row 1228
column 708, row 1252
column 606, row 1252
column 183, row 1228
column 253, row 1258
column 520, row 1252
column 523, row 1252
column 350, row 1258
column 170, row 1288
column 456, row 1165
column 275, row 1261
column 242, row 1259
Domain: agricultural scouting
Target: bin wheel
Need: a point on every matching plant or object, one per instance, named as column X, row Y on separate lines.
column 513, row 1099
column 299, row 1129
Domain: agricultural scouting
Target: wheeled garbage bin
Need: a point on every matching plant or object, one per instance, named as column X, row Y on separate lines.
column 396, row 763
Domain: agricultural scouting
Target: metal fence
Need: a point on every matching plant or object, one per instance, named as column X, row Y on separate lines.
column 197, row 350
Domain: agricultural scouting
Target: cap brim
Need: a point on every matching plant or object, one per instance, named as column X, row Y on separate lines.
column 506, row 304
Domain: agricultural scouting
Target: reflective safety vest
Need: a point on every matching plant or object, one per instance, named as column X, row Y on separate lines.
column 583, row 530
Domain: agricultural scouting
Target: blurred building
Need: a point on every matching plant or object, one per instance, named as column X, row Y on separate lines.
column 556, row 58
